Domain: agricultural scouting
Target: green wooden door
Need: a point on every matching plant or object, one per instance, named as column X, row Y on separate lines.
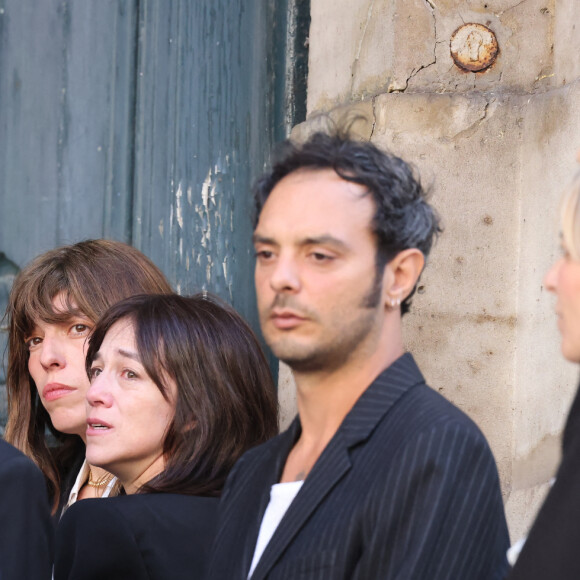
column 145, row 121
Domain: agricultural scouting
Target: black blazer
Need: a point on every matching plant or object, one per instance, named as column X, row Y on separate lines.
column 26, row 531
column 552, row 550
column 69, row 470
column 136, row 537
column 407, row 489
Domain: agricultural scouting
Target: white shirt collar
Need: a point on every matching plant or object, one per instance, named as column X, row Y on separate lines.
column 81, row 479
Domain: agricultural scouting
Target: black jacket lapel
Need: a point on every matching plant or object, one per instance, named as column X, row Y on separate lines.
column 335, row 460
column 265, row 473
column 328, row 470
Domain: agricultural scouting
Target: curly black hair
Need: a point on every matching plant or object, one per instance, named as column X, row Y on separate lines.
column 403, row 218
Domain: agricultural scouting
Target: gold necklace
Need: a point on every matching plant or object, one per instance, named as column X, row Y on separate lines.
column 101, row 482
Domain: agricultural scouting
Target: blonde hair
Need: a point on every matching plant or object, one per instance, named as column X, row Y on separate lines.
column 570, row 218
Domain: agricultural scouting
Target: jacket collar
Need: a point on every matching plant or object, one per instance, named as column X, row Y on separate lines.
column 379, row 398
column 334, row 462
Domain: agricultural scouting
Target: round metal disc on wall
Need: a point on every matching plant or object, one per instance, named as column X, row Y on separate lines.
column 473, row 47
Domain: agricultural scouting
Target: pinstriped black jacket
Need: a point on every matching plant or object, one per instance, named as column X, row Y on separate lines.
column 407, row 489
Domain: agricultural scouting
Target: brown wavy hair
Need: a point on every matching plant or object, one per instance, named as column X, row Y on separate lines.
column 91, row 275
column 226, row 399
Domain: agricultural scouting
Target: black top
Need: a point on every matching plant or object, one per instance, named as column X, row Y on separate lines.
column 136, row 537
column 70, row 467
column 407, row 489
column 552, row 550
column 26, row 531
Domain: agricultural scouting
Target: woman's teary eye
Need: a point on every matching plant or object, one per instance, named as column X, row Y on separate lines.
column 94, row 372
column 129, row 374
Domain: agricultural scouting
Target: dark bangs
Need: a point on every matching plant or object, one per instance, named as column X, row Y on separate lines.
column 34, row 302
column 148, row 338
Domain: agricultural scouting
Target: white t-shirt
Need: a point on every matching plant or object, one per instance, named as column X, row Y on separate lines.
column 281, row 496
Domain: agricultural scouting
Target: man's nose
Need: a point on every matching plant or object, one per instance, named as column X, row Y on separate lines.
column 285, row 275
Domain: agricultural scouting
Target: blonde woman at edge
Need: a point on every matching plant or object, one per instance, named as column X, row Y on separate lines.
column 54, row 303
column 552, row 547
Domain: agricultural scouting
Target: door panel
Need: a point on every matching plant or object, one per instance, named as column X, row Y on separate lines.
column 144, row 121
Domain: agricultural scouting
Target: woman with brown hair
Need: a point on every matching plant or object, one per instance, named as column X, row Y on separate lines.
column 54, row 303
column 179, row 390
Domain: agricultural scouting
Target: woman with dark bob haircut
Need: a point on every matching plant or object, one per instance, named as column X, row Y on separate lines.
column 54, row 303
column 180, row 389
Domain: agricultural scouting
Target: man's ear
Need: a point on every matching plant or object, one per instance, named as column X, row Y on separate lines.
column 401, row 275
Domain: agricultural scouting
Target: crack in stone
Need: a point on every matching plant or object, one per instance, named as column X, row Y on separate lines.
column 373, row 101
column 424, row 66
column 484, row 113
column 485, row 109
column 510, row 8
column 360, row 45
column 435, row 37
column 473, row 127
column 413, row 74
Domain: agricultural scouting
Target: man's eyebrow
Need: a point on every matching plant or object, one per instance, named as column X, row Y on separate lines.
column 325, row 239
column 258, row 239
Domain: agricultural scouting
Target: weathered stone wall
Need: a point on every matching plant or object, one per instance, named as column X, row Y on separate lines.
column 497, row 147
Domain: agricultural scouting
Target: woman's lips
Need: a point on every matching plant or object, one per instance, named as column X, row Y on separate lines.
column 54, row 391
column 96, row 426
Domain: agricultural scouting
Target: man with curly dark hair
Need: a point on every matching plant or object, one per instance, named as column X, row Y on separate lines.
column 379, row 476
